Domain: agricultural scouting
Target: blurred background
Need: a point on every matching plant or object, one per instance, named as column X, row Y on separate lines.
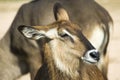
column 9, row 8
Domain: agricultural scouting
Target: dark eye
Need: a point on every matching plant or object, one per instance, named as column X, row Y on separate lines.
column 64, row 35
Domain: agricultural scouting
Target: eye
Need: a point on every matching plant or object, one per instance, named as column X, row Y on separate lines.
column 63, row 35
column 66, row 37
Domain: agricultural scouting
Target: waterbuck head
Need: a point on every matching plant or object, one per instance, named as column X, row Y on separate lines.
column 64, row 43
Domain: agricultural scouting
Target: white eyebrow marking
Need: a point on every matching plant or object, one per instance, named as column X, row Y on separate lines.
column 68, row 33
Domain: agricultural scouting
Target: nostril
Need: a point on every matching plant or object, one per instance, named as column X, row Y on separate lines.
column 91, row 56
column 95, row 55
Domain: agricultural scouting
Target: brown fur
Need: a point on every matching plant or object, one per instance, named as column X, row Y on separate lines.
column 63, row 51
column 24, row 55
column 49, row 71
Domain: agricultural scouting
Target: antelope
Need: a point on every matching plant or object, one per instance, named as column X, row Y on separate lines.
column 20, row 55
column 67, row 54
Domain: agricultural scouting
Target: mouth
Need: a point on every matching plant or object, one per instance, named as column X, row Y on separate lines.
column 91, row 61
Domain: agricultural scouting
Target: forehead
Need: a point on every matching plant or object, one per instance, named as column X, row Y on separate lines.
column 69, row 26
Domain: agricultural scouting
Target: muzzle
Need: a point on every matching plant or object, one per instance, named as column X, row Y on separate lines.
column 91, row 56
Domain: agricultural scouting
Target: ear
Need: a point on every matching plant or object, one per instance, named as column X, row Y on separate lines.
column 31, row 32
column 60, row 13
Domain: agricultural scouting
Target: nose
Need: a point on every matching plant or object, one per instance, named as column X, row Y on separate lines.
column 94, row 54
column 91, row 56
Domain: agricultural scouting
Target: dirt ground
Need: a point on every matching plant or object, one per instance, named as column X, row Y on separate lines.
column 9, row 9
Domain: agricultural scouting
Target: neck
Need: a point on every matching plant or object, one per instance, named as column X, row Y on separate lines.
column 74, row 69
column 61, row 64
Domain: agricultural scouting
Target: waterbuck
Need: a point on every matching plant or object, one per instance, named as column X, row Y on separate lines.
column 19, row 55
column 67, row 54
